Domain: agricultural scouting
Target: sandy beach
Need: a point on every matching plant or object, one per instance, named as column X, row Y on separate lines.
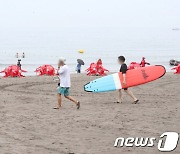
column 29, row 125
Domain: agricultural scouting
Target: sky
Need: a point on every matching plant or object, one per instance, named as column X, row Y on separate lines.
column 89, row 13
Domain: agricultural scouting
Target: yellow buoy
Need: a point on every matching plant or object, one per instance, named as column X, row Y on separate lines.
column 81, row 51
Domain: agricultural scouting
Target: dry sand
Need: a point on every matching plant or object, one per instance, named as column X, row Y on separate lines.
column 30, row 125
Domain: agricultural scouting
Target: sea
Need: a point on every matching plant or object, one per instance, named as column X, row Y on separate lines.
column 46, row 45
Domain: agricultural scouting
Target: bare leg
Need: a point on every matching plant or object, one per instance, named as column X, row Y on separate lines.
column 131, row 95
column 71, row 99
column 119, row 95
column 59, row 101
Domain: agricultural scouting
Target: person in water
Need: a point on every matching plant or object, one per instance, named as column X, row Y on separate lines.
column 23, row 55
column 17, row 55
column 19, row 63
column 123, row 69
column 65, row 84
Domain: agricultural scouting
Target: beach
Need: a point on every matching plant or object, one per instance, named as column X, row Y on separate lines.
column 30, row 125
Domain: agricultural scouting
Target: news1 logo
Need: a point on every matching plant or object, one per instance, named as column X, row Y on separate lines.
column 168, row 142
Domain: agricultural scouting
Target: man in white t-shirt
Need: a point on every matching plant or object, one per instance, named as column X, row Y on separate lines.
column 65, row 83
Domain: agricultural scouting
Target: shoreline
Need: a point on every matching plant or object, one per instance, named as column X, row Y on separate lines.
column 73, row 73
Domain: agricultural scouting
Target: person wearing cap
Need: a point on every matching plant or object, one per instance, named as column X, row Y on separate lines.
column 65, row 84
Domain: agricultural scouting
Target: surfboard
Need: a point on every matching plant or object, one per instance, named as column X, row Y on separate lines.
column 134, row 77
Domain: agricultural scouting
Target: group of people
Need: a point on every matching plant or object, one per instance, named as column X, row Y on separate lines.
column 19, row 60
column 65, row 83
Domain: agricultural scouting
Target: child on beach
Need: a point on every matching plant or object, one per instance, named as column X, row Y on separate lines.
column 123, row 69
column 65, row 83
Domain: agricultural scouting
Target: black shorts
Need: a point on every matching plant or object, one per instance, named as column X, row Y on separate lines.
column 125, row 88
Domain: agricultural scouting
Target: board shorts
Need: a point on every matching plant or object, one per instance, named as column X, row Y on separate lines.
column 64, row 91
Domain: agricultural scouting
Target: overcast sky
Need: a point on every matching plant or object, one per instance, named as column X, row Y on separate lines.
column 89, row 13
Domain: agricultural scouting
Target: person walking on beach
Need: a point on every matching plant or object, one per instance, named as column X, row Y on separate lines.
column 78, row 69
column 65, row 84
column 123, row 69
column 80, row 62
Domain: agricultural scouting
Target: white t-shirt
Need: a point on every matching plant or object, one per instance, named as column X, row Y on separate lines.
column 64, row 75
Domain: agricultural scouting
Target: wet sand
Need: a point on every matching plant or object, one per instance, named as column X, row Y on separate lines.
column 29, row 125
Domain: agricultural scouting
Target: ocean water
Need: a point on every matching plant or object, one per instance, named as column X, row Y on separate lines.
column 46, row 45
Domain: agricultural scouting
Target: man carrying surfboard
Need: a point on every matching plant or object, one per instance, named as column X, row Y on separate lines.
column 123, row 69
column 65, row 84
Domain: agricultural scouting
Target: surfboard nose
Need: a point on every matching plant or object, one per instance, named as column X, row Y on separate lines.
column 101, row 84
column 87, row 87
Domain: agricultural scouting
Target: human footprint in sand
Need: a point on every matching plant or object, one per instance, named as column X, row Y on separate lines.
column 123, row 69
column 65, row 84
